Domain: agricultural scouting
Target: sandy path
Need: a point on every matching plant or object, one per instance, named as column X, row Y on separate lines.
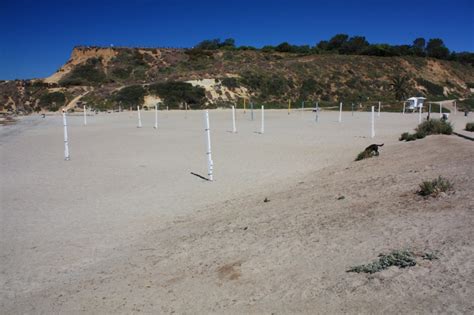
column 128, row 190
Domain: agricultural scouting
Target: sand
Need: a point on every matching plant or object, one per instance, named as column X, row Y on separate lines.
column 123, row 227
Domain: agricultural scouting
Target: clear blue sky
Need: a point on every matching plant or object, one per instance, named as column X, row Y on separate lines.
column 38, row 36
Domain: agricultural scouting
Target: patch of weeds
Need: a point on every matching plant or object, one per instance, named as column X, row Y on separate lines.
column 401, row 259
column 363, row 155
column 470, row 126
column 435, row 187
column 430, row 256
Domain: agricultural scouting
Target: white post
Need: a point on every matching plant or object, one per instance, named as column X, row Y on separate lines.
column 234, row 129
column 210, row 164
column 262, row 130
column 420, row 107
column 251, row 111
column 440, row 109
column 66, row 143
column 340, row 112
column 85, row 115
column 378, row 114
column 455, row 108
column 156, row 117
column 139, row 118
column 372, row 134
column 404, row 104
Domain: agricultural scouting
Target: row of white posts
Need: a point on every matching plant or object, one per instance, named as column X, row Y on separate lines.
column 155, row 126
column 210, row 163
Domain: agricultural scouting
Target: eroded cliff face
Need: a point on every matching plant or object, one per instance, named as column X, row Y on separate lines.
column 228, row 76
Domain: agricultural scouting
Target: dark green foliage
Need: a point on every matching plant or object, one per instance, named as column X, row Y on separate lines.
column 429, row 127
column 400, row 86
column 130, row 96
column 213, row 44
column 419, row 47
column 435, row 187
column 52, row 101
column 355, row 45
column 401, row 259
column 121, row 73
column 197, row 54
column 436, row 49
column 337, row 41
column 467, row 103
column 432, row 88
column 309, row 88
column 435, row 126
column 177, row 93
column 230, row 83
column 90, row 73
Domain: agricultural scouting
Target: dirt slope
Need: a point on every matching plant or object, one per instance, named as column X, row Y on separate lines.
column 291, row 254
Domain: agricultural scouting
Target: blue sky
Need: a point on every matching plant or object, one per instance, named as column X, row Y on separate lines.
column 38, row 36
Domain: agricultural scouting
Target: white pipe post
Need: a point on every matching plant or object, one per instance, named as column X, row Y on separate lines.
column 262, row 130
column 455, row 108
column 378, row 114
column 404, row 104
column 372, row 133
column 234, row 129
column 85, row 115
column 66, row 141
column 156, row 117
column 340, row 112
column 210, row 164
column 419, row 113
column 429, row 109
column 440, row 109
column 139, row 118
column 251, row 111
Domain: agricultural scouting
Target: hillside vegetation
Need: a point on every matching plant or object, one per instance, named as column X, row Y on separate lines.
column 216, row 73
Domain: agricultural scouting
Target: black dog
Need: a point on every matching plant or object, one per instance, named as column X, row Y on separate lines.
column 373, row 149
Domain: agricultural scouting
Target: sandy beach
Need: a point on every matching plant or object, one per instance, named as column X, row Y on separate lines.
column 123, row 227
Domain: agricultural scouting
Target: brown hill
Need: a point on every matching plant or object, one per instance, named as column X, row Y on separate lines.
column 221, row 77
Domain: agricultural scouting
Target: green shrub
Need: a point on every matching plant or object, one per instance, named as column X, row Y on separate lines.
column 52, row 101
column 364, row 155
column 401, row 259
column 435, row 187
column 435, row 126
column 429, row 127
column 89, row 73
column 470, row 126
column 176, row 93
column 130, row 95
column 431, row 88
column 230, row 83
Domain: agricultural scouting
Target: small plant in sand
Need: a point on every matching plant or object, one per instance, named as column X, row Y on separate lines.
column 470, row 126
column 399, row 258
column 363, row 155
column 435, row 187
column 430, row 127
